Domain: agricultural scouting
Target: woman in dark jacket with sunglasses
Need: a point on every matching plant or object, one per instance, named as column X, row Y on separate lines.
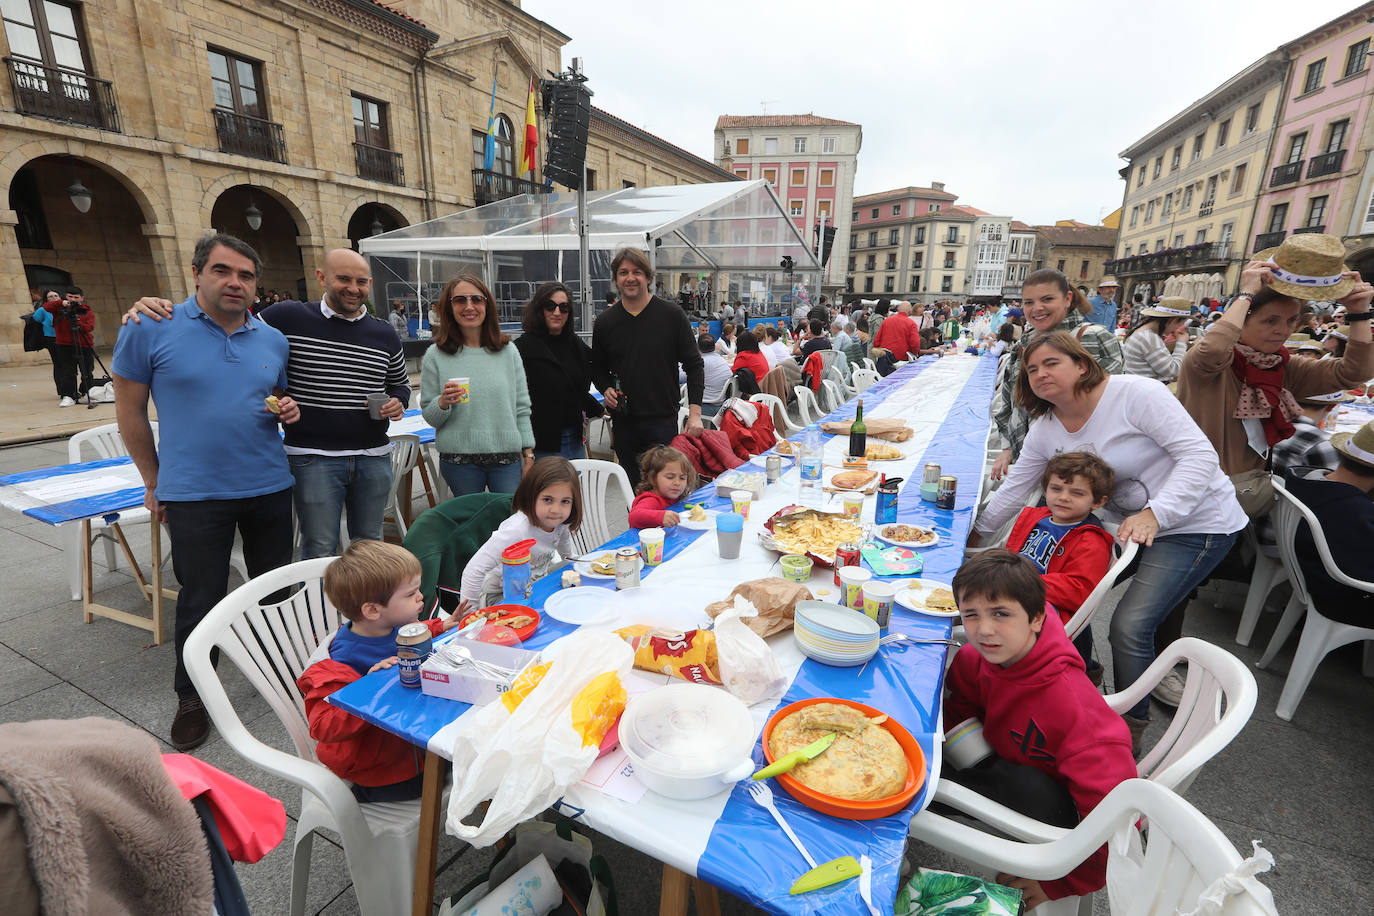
column 558, row 369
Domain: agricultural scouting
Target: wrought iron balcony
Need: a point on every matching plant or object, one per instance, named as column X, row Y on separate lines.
column 489, row 186
column 1287, row 173
column 1326, row 164
column 62, row 94
column 1203, row 254
column 249, row 136
column 1301, row 229
column 379, row 164
column 1269, row 239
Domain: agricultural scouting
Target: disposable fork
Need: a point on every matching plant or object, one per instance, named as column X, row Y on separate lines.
column 760, row 792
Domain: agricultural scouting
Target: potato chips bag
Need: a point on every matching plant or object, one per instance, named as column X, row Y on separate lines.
column 690, row 655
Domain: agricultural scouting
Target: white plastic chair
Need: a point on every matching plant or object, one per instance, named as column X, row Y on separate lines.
column 1267, row 574
column 832, row 395
column 1320, row 634
column 807, row 409
column 1084, row 615
column 597, row 478
column 1185, row 855
column 405, row 456
column 864, row 379
column 781, row 421
column 271, row 645
column 871, row 366
column 91, row 445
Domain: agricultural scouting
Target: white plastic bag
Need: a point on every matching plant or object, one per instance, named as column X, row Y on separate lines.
column 747, row 666
column 525, row 749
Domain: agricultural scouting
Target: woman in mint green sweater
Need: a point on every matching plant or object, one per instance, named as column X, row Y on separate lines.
column 485, row 441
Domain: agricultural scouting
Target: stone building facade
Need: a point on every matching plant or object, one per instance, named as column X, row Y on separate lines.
column 1080, row 252
column 887, row 254
column 299, row 125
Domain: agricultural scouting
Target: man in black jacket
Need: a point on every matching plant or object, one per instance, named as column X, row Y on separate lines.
column 637, row 345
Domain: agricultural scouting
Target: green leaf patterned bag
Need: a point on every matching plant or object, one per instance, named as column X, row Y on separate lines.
column 930, row 892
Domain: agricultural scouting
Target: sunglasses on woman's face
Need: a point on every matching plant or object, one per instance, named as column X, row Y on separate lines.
column 475, row 299
column 558, row 307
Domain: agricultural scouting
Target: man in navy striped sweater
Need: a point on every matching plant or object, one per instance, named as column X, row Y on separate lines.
column 340, row 456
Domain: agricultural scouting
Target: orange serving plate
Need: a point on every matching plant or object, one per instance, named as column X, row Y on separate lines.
column 844, row 807
column 507, row 611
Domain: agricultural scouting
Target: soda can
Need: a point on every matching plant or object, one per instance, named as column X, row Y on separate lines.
column 413, row 645
column 932, row 474
column 626, row 568
column 845, row 555
column 944, row 492
column 885, row 513
column 774, row 467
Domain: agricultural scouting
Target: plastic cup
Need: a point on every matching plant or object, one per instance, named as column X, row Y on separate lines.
column 853, row 505
column 464, row 389
column 729, row 533
column 651, row 546
column 375, row 400
column 796, row 568
column 853, row 579
column 878, row 597
column 739, row 502
column 966, row 746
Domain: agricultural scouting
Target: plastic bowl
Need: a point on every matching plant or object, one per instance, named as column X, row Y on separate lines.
column 844, row 807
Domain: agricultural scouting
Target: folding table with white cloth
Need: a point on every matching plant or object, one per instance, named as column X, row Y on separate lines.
column 728, row 841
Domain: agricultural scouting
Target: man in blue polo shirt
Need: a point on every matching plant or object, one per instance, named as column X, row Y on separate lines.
column 219, row 464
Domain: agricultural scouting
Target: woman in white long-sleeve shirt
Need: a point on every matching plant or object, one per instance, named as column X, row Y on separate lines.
column 1171, row 496
column 1158, row 344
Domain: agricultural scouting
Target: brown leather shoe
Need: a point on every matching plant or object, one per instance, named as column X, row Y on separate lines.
column 1137, row 727
column 191, row 726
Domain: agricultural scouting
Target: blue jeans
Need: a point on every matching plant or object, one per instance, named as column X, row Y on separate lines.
column 463, row 479
column 326, row 485
column 1168, row 571
column 572, row 446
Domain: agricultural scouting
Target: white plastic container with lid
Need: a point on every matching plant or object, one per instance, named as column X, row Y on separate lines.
column 688, row 741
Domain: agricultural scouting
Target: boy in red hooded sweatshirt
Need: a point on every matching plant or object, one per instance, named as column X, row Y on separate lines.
column 1058, row 748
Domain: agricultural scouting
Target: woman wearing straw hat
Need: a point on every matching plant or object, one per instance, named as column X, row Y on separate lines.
column 1239, row 384
column 1163, row 328
column 1335, row 340
column 1343, row 502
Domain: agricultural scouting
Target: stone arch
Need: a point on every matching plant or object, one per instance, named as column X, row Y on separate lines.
column 404, row 211
column 269, row 185
column 1362, row 259
column 112, row 161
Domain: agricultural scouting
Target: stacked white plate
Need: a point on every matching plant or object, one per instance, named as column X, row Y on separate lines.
column 833, row 634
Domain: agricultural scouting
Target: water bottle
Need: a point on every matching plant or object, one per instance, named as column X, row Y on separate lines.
column 515, row 572
column 809, row 465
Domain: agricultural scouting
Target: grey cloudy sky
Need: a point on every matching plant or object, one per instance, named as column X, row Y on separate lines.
column 1020, row 108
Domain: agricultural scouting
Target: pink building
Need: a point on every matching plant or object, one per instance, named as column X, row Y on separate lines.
column 1319, row 158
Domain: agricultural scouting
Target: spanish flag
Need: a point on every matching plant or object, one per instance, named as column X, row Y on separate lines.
column 531, row 134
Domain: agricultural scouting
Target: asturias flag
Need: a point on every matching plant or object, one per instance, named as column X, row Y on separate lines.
column 489, row 155
column 531, row 134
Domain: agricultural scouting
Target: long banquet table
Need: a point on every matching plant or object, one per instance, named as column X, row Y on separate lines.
column 727, row 840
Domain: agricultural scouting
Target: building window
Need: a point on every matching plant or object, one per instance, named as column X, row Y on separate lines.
column 823, row 209
column 917, row 260
column 827, row 144
column 851, row 263
column 1224, row 242
column 1335, row 135
column 915, row 283
column 1238, row 178
column 952, row 235
column 946, row 284
column 935, row 208
column 742, row 173
column 798, row 177
column 920, row 235
column 873, row 239
column 889, row 284
column 896, row 209
column 1176, row 159
column 798, row 144
column 1252, row 118
column 1083, row 271
column 1313, row 81
column 1223, row 132
column 742, row 146
column 1168, row 206
column 591, row 179
column 236, row 83
column 854, row 217
column 796, row 207
column 874, row 213
column 770, row 146
column 1356, row 56
column 949, row 259
column 1278, row 217
column 827, row 178
column 1127, row 252
column 1060, row 266
column 868, row 284
column 1141, row 179
column 369, row 122
column 1187, row 203
column 894, row 236
column 849, row 284
column 1316, row 212
column 1197, row 146
column 1201, row 237
column 1150, row 211
column 771, row 176
column 1159, row 166
column 1296, row 144
column 1135, row 215
column 891, row 261
column 45, row 31
column 1178, row 242
column 870, row 262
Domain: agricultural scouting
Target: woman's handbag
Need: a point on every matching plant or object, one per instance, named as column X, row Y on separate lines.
column 1255, row 491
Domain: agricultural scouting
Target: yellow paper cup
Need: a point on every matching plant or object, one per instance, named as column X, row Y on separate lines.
column 853, row 505
column 739, row 501
column 651, row 546
column 852, row 582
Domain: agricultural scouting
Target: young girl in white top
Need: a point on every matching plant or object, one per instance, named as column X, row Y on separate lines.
column 548, row 509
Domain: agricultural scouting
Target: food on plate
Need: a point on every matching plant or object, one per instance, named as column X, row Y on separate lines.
column 853, row 480
column 878, row 451
column 863, row 764
column 850, row 461
column 690, row 655
column 909, row 534
column 783, row 448
column 604, row 565
column 810, row 532
column 571, row 578
column 272, row 403
column 698, row 514
column 942, row 599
